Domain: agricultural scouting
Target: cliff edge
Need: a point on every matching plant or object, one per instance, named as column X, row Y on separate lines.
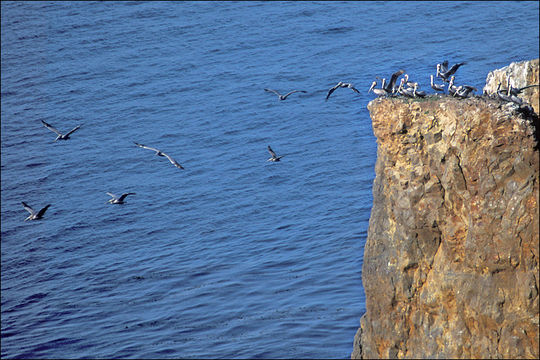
column 451, row 261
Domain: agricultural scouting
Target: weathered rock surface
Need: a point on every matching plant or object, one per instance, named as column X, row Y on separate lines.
column 521, row 74
column 451, row 264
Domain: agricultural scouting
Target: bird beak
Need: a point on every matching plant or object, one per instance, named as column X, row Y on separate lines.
column 372, row 86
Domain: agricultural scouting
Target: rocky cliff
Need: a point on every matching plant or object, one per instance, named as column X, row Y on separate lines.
column 451, row 260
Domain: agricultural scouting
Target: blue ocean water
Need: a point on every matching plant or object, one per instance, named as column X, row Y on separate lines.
column 234, row 256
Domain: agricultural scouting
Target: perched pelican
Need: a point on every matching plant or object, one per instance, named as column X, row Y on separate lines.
column 463, row 91
column 283, row 97
column 436, row 87
column 516, row 91
column 159, row 153
column 379, row 92
column 33, row 214
column 446, row 74
column 60, row 135
column 391, row 86
column 509, row 98
column 451, row 88
column 115, row 199
column 343, row 85
column 417, row 93
column 409, row 92
column 409, row 83
column 274, row 158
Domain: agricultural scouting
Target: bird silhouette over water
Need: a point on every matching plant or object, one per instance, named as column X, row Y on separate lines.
column 60, row 135
column 33, row 214
column 283, row 97
column 274, row 157
column 160, row 153
column 343, row 85
column 115, row 199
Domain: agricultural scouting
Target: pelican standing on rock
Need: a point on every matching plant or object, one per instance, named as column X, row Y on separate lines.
column 283, row 97
column 343, row 85
column 60, row 135
column 417, row 93
column 451, row 88
column 436, row 87
column 274, row 157
column 33, row 214
column 160, row 153
column 379, row 92
column 409, row 92
column 115, row 199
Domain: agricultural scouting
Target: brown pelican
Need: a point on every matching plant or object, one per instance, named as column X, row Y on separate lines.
column 436, row 87
column 115, row 199
column 60, row 135
column 451, row 88
column 379, row 92
column 442, row 67
column 33, row 214
column 409, row 83
column 283, row 97
column 391, row 86
column 274, row 158
column 463, row 91
column 343, row 85
column 409, row 92
column 160, row 153
column 445, row 74
column 506, row 97
column 417, row 93
column 516, row 91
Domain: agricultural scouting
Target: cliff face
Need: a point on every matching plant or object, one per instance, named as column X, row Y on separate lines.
column 451, row 259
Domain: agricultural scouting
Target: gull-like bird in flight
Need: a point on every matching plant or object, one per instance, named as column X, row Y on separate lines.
column 283, row 97
column 338, row 85
column 33, row 214
column 60, row 135
column 115, row 199
column 274, row 157
column 160, row 153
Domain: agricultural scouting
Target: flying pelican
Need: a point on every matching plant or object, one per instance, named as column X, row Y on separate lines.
column 33, row 214
column 60, row 135
column 160, row 153
column 115, row 199
column 343, row 85
column 379, row 92
column 417, row 93
column 436, row 87
column 442, row 67
column 446, row 74
column 274, row 158
column 391, row 86
column 283, row 97
column 409, row 92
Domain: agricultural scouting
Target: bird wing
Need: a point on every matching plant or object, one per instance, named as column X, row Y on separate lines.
column 454, row 68
column 272, row 153
column 331, row 91
column 393, row 79
column 292, row 92
column 274, row 91
column 112, row 195
column 353, row 88
column 121, row 198
column 146, row 147
column 48, row 126
column 73, row 130
column 27, row 207
column 42, row 211
column 444, row 66
column 174, row 162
